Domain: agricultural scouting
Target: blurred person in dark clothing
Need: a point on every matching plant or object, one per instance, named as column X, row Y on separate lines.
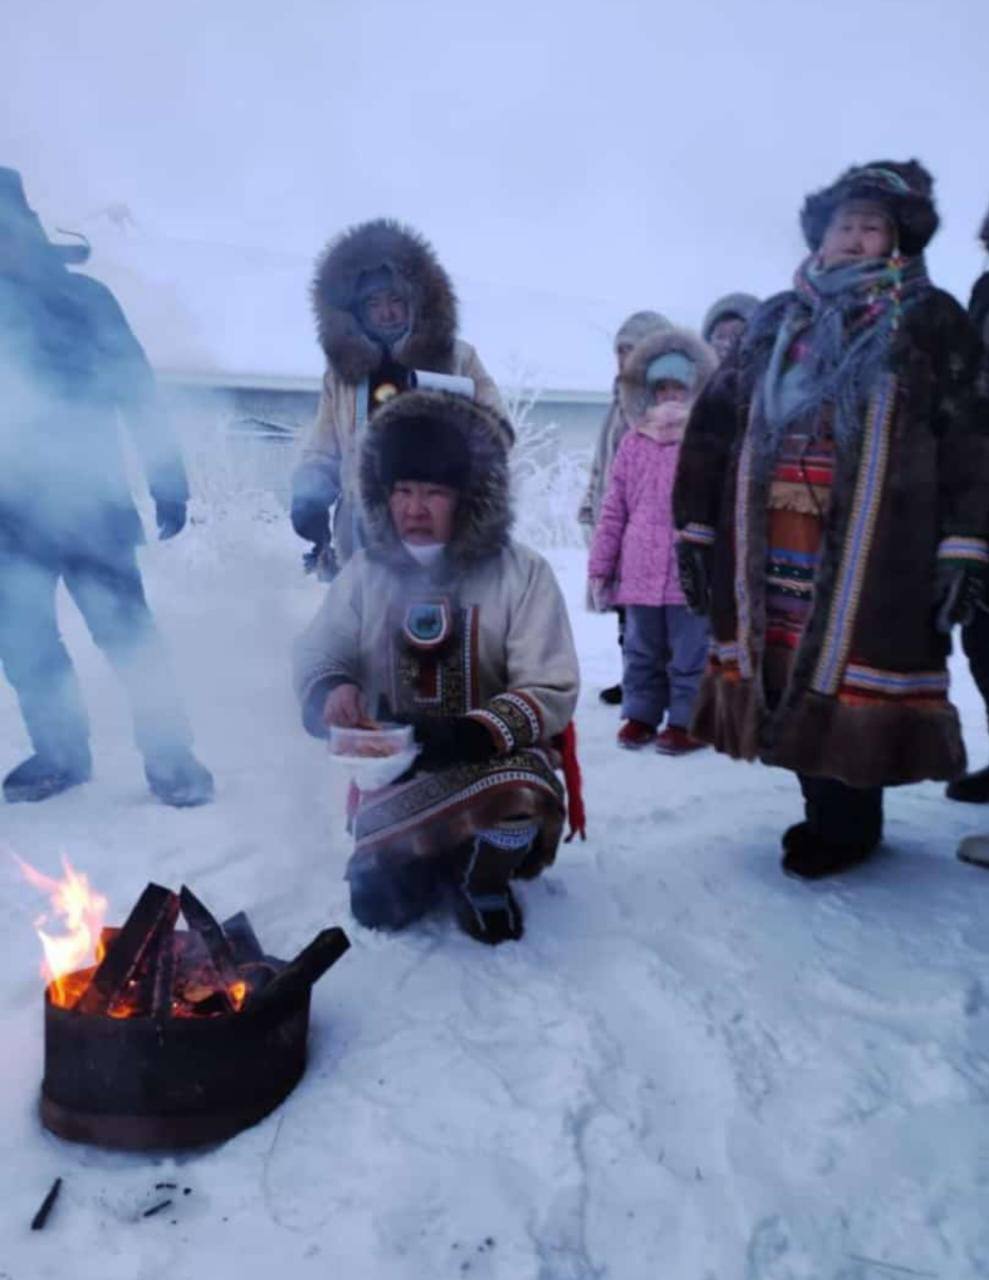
column 70, row 367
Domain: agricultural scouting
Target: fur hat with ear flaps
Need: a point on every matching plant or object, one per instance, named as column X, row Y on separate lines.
column 417, row 272
column 904, row 188
column 634, row 391
column 475, row 441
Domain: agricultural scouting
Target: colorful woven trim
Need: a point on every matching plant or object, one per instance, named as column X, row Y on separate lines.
column 743, row 605
column 897, row 684
column 957, row 548
column 702, row 534
column 858, row 538
column 514, row 719
column 724, row 653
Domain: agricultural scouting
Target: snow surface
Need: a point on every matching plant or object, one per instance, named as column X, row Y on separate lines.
column 691, row 1067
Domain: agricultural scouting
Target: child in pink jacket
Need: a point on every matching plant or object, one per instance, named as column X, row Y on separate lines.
column 633, row 561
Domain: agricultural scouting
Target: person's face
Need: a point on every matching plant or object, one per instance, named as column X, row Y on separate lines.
column 385, row 310
column 724, row 334
column 423, row 513
column 857, row 230
column 622, row 353
column 666, row 391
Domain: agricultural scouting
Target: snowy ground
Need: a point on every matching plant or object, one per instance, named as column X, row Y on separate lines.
column 691, row 1068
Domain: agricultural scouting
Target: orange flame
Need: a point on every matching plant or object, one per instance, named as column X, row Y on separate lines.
column 81, row 912
column 237, row 992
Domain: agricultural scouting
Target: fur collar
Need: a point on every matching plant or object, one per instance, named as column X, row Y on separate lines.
column 351, row 353
column 633, row 393
column 484, row 517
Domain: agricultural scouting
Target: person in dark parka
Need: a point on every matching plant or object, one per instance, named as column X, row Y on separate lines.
column 832, row 500
column 69, row 367
column 974, row 787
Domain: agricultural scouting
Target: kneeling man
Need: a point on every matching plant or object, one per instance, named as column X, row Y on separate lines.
column 444, row 621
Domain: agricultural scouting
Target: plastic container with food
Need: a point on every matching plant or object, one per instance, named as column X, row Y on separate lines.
column 373, row 757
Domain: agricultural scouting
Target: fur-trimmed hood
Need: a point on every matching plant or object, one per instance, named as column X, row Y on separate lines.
column 639, row 325
column 484, row 516
column 633, row 391
column 742, row 305
column 904, row 188
column 433, row 303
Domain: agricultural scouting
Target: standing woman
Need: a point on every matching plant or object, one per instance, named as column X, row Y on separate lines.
column 385, row 308
column 832, row 503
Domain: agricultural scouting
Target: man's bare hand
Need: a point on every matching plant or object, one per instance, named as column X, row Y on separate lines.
column 344, row 707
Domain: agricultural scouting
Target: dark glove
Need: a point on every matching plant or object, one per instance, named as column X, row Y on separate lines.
column 694, row 567
column 449, row 740
column 322, row 561
column 959, row 589
column 311, row 519
column 170, row 518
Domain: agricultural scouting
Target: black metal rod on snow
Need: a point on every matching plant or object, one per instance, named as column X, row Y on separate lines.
column 41, row 1217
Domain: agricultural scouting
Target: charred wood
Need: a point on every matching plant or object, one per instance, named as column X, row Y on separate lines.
column 154, row 915
column 306, row 969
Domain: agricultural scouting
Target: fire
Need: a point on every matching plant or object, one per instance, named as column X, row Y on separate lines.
column 80, row 912
column 237, row 992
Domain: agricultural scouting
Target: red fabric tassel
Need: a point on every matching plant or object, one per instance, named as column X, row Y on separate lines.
column 566, row 744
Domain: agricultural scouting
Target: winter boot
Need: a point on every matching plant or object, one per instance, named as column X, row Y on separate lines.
column 634, row 734
column 483, row 902
column 809, row 857
column 973, row 788
column 676, row 741
column 38, row 778
column 179, row 779
column 612, row 696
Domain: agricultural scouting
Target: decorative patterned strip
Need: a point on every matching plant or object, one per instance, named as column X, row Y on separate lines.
column 529, row 709
column 510, row 836
column 743, row 605
column 903, row 683
column 858, row 538
column 400, row 810
column 700, row 533
column 958, row 548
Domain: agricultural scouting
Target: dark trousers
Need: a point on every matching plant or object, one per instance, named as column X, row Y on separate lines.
column 843, row 815
column 391, row 888
column 975, row 642
column 110, row 596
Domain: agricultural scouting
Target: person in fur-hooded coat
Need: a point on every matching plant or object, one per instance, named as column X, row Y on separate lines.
column 726, row 320
column 384, row 306
column 632, row 562
column 444, row 621
column 832, row 502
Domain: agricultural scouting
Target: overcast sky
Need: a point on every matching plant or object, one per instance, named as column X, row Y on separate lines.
column 570, row 162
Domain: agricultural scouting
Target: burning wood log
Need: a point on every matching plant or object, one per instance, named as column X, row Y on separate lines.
column 154, row 915
column 163, row 978
column 205, row 924
column 242, row 939
column 305, row 970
